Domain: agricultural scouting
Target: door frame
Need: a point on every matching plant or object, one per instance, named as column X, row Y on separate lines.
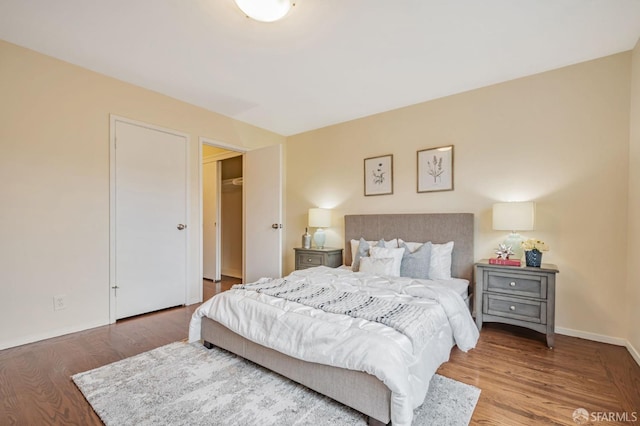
column 237, row 150
column 208, row 160
column 113, row 119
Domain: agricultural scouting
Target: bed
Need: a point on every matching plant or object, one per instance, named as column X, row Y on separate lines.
column 378, row 391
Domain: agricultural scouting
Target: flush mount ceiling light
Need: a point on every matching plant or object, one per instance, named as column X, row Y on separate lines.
column 265, row 10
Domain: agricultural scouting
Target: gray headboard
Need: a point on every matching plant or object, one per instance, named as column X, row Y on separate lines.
column 435, row 227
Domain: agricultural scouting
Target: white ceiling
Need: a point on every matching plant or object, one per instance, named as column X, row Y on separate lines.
column 328, row 61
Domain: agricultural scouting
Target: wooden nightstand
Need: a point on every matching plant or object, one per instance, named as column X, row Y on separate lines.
column 522, row 296
column 308, row 258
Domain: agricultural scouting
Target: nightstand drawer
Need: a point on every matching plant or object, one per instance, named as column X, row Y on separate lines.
column 516, row 284
column 512, row 307
column 308, row 260
column 519, row 295
column 311, row 257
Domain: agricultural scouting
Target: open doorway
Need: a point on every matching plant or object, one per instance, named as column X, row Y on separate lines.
column 222, row 218
column 261, row 207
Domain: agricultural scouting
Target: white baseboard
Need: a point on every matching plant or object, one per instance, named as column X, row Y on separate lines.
column 618, row 341
column 23, row 340
column 634, row 352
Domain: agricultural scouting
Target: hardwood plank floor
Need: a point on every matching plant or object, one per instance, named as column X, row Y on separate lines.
column 35, row 379
column 522, row 382
column 211, row 288
column 525, row 383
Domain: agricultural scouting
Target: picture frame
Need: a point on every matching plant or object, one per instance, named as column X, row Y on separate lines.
column 435, row 169
column 378, row 175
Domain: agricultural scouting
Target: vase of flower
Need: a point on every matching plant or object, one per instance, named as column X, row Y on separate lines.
column 533, row 258
column 533, row 252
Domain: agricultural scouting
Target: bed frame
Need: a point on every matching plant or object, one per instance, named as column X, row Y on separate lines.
column 359, row 390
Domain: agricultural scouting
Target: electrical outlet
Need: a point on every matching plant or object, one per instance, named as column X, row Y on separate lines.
column 59, row 302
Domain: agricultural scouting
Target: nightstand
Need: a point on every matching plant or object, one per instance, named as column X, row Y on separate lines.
column 308, row 258
column 522, row 296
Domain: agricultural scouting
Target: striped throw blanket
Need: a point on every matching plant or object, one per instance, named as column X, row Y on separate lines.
column 408, row 319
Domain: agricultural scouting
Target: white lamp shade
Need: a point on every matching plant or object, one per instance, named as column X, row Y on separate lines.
column 319, row 218
column 264, row 10
column 518, row 216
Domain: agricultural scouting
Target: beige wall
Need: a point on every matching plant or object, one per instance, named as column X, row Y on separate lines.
column 54, row 187
column 560, row 138
column 633, row 256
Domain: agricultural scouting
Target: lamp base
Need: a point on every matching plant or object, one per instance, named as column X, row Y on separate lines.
column 319, row 238
column 515, row 241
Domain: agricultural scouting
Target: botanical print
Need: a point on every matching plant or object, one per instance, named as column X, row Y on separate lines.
column 435, row 169
column 378, row 175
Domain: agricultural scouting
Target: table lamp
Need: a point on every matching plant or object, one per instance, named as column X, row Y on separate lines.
column 514, row 217
column 319, row 218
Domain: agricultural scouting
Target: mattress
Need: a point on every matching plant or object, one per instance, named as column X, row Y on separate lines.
column 343, row 341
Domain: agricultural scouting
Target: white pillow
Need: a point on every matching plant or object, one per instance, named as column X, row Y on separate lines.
column 440, row 268
column 377, row 265
column 354, row 248
column 355, row 243
column 363, row 251
column 394, row 253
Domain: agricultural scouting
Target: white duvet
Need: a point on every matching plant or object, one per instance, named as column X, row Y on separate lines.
column 313, row 335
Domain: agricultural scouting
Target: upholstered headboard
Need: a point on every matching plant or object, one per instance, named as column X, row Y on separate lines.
column 435, row 227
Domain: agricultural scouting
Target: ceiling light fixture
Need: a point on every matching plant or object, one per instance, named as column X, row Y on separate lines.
column 265, row 10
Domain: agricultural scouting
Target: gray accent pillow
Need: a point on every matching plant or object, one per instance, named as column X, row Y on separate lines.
column 416, row 264
column 363, row 251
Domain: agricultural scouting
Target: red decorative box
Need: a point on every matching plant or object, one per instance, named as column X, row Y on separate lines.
column 506, row 262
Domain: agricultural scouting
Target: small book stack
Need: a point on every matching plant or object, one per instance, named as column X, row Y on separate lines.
column 506, row 262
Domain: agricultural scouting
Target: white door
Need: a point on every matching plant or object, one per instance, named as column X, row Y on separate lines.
column 263, row 213
column 210, row 219
column 150, row 213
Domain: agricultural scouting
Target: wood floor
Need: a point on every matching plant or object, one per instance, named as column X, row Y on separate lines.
column 211, row 288
column 522, row 382
column 525, row 383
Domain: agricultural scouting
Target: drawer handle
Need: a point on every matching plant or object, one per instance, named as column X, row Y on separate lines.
column 309, row 260
column 512, row 308
column 512, row 283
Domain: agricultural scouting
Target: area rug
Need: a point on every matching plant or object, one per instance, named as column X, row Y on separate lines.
column 187, row 384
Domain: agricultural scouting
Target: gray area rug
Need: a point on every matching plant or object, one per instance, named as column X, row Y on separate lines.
column 186, row 384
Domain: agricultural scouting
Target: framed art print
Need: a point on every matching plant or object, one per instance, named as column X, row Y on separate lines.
column 435, row 169
column 378, row 175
